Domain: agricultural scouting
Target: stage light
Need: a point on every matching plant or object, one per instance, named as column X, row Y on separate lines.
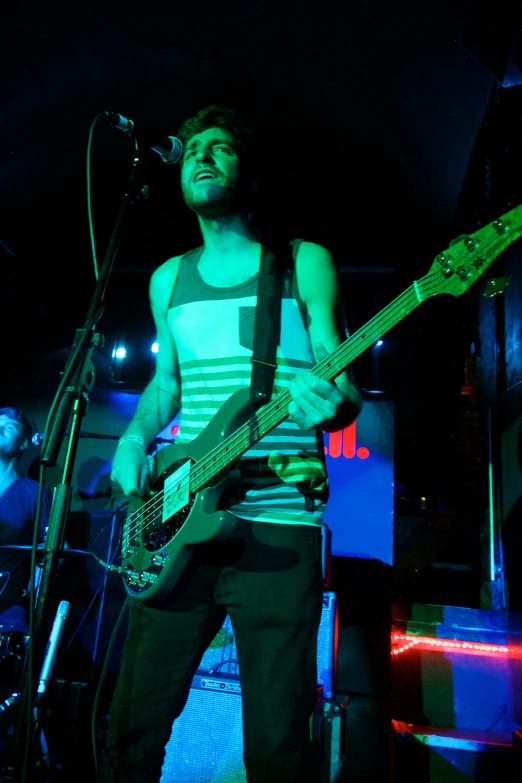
column 119, row 353
column 378, row 343
column 154, row 347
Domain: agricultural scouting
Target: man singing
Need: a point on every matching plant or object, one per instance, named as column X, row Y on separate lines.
column 267, row 574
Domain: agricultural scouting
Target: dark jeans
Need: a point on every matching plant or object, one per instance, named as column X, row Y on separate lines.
column 268, row 578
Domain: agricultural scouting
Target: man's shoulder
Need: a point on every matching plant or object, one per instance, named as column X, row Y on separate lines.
column 165, row 270
column 315, row 262
column 311, row 252
column 28, row 485
column 27, row 490
column 312, row 259
column 164, row 277
column 163, row 280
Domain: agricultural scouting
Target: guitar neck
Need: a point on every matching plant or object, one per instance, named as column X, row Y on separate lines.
column 274, row 412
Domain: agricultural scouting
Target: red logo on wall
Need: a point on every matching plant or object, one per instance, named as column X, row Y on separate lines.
column 338, row 444
column 343, row 444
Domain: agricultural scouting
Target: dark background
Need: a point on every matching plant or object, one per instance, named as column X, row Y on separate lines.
column 381, row 135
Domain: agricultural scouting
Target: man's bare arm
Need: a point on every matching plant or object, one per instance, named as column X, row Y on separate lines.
column 160, row 400
column 329, row 406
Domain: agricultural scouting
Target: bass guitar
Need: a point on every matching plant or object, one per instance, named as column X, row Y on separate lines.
column 160, row 533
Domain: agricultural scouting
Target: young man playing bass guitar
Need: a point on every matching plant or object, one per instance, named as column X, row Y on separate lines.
column 266, row 574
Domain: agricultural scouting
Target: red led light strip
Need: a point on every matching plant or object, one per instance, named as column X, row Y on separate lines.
column 447, row 644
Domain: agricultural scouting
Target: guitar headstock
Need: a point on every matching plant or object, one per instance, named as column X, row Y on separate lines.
column 456, row 269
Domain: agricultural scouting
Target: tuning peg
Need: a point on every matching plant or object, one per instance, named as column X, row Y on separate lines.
column 446, row 262
column 470, row 242
column 458, row 239
column 497, row 285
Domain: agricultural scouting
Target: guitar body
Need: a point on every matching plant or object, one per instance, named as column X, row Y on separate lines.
column 156, row 550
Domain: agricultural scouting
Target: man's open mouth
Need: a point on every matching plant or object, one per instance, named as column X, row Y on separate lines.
column 204, row 175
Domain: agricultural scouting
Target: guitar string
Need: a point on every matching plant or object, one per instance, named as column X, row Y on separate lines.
column 182, row 488
column 343, row 359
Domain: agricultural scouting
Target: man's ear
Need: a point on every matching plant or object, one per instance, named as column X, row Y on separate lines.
column 25, row 444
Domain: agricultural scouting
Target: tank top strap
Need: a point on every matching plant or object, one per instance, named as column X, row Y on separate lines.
column 295, row 245
column 185, row 276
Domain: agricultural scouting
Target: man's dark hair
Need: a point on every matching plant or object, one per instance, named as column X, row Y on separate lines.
column 218, row 117
column 18, row 415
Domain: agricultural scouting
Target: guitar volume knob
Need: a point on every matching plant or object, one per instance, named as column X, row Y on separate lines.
column 159, row 558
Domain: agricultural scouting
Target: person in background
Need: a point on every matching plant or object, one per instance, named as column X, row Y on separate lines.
column 18, row 497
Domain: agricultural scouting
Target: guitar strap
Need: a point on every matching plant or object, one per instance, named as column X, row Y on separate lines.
column 267, row 327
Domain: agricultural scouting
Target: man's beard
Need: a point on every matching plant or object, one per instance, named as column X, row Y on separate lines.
column 216, row 202
column 10, row 445
column 9, row 450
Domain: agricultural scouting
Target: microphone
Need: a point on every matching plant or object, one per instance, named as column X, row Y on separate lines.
column 52, row 645
column 169, row 148
column 119, row 121
column 39, row 437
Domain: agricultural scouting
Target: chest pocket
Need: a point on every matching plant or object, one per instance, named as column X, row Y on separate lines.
column 247, row 318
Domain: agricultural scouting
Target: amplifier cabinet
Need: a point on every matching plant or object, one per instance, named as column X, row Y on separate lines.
column 206, row 744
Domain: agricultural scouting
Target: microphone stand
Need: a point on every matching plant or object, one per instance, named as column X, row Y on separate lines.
column 69, row 405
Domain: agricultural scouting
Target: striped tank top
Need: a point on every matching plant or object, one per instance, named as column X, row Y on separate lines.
column 283, row 476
